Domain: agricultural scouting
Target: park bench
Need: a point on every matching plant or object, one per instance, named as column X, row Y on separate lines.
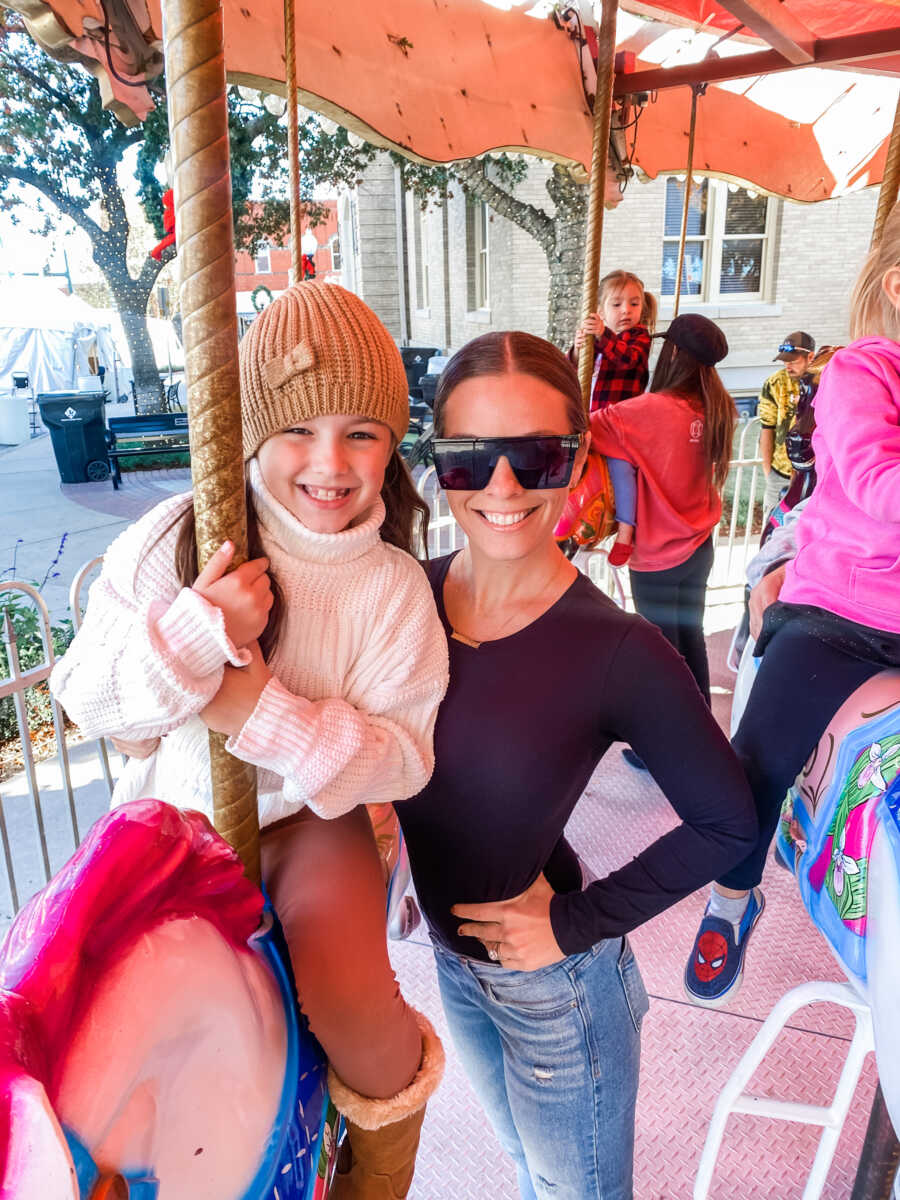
column 151, row 433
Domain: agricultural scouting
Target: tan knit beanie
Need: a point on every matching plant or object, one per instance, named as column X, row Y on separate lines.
column 319, row 351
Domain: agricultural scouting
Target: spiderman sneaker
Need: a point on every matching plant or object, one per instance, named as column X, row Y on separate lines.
column 716, row 966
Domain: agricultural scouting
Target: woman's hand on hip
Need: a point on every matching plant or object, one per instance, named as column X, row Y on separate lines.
column 244, row 595
column 234, row 702
column 517, row 931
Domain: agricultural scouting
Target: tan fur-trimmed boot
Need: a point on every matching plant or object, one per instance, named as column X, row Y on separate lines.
column 383, row 1135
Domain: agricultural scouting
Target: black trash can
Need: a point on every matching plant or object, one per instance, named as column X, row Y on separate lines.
column 428, row 385
column 77, row 425
column 415, row 363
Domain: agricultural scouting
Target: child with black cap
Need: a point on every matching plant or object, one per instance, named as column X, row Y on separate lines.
column 776, row 410
column 678, row 438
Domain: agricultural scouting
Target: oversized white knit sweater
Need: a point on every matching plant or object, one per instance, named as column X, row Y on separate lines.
column 359, row 670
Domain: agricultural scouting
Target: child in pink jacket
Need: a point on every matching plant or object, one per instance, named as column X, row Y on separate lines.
column 837, row 619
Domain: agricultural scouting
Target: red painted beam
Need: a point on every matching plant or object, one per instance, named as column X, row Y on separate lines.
column 775, row 24
column 853, row 49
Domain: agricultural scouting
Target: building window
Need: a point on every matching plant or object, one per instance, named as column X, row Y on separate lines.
column 262, row 264
column 728, row 245
column 478, row 254
column 420, row 249
column 334, row 246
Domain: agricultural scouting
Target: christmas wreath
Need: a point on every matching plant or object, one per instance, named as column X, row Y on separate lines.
column 260, row 297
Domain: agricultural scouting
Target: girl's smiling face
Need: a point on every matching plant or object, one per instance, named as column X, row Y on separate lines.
column 622, row 308
column 328, row 471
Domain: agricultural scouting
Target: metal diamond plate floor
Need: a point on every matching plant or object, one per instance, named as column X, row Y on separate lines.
column 688, row 1053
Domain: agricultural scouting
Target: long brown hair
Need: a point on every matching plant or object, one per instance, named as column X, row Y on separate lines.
column 507, row 352
column 405, row 526
column 678, row 372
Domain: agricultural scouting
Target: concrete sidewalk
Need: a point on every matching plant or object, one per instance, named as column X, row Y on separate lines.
column 37, row 510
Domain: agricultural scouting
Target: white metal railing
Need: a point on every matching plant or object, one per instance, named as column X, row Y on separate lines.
column 14, row 685
column 32, row 826
column 734, row 549
column 444, row 535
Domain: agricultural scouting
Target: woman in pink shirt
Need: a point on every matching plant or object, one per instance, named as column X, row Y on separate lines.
column 836, row 621
column 678, row 436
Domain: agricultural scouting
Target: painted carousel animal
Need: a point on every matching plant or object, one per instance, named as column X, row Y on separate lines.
column 150, row 1042
column 840, row 835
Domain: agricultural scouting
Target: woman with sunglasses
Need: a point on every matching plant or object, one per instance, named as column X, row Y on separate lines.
column 540, row 987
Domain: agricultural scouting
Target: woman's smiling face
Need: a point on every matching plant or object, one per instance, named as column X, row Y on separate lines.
column 505, row 520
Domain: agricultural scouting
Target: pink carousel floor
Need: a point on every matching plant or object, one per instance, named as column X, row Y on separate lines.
column 688, row 1053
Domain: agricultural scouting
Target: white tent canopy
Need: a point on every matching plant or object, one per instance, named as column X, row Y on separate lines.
column 52, row 336
column 47, row 334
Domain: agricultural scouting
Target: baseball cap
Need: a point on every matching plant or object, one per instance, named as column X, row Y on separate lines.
column 794, row 344
column 698, row 336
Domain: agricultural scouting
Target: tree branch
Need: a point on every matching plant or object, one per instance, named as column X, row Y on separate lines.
column 533, row 220
column 73, row 114
column 66, row 205
column 151, row 269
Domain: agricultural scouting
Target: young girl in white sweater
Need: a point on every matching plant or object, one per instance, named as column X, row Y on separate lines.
column 334, row 704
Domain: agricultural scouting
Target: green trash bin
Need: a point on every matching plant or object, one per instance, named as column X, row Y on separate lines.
column 77, row 424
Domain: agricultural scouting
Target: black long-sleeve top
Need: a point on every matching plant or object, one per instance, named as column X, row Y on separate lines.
column 524, row 723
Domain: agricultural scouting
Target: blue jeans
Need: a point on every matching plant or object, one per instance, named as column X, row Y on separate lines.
column 553, row 1056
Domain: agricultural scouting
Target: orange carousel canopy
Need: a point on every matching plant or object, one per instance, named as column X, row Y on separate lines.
column 801, row 101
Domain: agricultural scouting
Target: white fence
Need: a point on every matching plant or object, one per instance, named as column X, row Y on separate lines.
column 40, row 822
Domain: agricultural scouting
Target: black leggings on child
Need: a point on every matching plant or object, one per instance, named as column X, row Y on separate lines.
column 674, row 601
column 812, row 662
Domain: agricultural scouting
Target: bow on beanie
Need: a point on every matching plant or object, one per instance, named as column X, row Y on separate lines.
column 318, row 351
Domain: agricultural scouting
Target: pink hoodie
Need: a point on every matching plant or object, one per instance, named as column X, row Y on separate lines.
column 848, row 538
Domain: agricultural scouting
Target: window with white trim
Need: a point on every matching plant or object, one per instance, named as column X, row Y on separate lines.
column 262, row 264
column 334, row 245
column 478, row 254
column 728, row 248
column 420, row 249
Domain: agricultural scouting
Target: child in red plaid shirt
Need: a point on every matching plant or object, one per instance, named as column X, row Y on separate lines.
column 622, row 329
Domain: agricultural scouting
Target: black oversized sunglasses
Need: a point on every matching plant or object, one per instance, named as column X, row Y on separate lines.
column 467, row 464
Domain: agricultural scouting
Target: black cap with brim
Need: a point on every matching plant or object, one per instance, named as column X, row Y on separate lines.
column 698, row 336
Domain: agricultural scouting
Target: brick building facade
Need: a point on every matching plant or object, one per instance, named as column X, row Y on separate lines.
column 758, row 267
column 271, row 266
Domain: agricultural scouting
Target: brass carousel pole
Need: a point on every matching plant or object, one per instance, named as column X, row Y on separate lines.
column 290, row 64
column 606, row 70
column 890, row 181
column 198, row 118
column 697, row 91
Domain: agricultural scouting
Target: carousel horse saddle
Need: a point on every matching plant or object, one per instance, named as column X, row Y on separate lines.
column 150, row 1041
column 840, row 833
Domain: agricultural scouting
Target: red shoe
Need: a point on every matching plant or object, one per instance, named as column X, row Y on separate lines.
column 620, row 554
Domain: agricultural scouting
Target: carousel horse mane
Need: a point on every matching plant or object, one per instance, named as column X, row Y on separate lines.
column 162, row 864
column 146, row 877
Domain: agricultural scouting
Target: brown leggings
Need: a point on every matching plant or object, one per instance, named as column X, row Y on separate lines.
column 326, row 883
